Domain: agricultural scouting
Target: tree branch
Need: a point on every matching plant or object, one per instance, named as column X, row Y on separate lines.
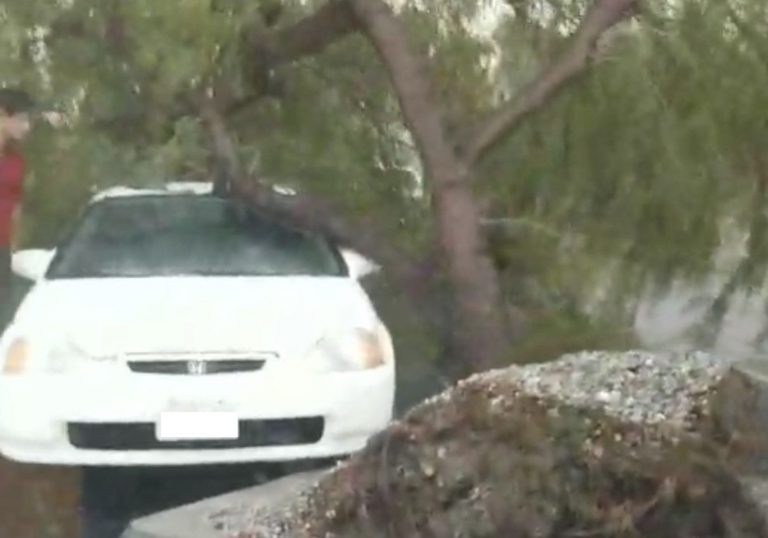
column 307, row 37
column 601, row 16
column 309, row 211
column 315, row 33
column 227, row 166
column 271, row 48
column 412, row 85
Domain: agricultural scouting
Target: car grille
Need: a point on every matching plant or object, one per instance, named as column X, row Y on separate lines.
column 141, row 436
column 195, row 367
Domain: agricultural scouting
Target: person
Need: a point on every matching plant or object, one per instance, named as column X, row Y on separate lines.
column 15, row 109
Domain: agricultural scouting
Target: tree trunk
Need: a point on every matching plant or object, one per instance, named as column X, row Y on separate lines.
column 480, row 332
column 479, row 336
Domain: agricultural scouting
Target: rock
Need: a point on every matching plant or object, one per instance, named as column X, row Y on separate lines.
column 739, row 410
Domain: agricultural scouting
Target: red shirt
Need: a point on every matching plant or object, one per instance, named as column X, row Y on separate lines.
column 11, row 177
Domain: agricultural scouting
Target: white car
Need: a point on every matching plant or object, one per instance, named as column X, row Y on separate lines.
column 174, row 327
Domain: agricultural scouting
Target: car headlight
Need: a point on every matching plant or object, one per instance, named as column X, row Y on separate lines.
column 16, row 357
column 358, row 349
column 23, row 356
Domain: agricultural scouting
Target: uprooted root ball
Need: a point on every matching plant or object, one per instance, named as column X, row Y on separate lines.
column 484, row 460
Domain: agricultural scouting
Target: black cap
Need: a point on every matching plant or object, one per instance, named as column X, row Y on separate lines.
column 15, row 101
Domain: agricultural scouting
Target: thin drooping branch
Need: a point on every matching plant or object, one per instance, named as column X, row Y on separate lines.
column 752, row 36
column 575, row 60
column 750, row 271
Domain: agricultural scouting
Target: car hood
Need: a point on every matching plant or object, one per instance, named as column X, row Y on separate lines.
column 284, row 315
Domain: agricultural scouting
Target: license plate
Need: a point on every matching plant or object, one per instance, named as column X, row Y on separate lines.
column 197, row 426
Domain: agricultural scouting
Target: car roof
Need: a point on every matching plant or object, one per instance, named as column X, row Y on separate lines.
column 198, row 188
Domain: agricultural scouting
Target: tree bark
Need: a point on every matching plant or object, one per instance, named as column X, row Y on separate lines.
column 309, row 36
column 480, row 333
column 312, row 35
column 227, row 166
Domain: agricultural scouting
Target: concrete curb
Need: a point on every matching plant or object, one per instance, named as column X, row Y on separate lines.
column 203, row 519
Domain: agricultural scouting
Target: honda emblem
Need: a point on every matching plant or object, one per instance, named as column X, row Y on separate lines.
column 196, row 367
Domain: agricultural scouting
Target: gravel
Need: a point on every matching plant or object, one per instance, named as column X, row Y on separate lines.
column 640, row 387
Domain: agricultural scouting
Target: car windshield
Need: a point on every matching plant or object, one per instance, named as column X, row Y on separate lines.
column 188, row 235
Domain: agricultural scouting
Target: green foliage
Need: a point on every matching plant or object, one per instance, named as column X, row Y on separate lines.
column 647, row 157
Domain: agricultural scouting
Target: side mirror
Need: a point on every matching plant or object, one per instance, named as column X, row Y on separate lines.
column 359, row 266
column 31, row 264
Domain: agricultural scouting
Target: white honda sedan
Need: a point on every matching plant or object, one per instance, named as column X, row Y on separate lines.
column 173, row 327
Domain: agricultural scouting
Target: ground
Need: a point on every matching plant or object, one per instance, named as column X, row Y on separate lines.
column 38, row 501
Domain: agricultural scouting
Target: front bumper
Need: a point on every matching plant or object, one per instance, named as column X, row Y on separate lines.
column 40, row 412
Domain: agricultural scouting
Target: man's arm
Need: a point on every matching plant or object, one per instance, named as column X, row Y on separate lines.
column 15, row 190
column 15, row 226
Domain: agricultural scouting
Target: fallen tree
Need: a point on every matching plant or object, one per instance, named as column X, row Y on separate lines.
column 480, row 328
